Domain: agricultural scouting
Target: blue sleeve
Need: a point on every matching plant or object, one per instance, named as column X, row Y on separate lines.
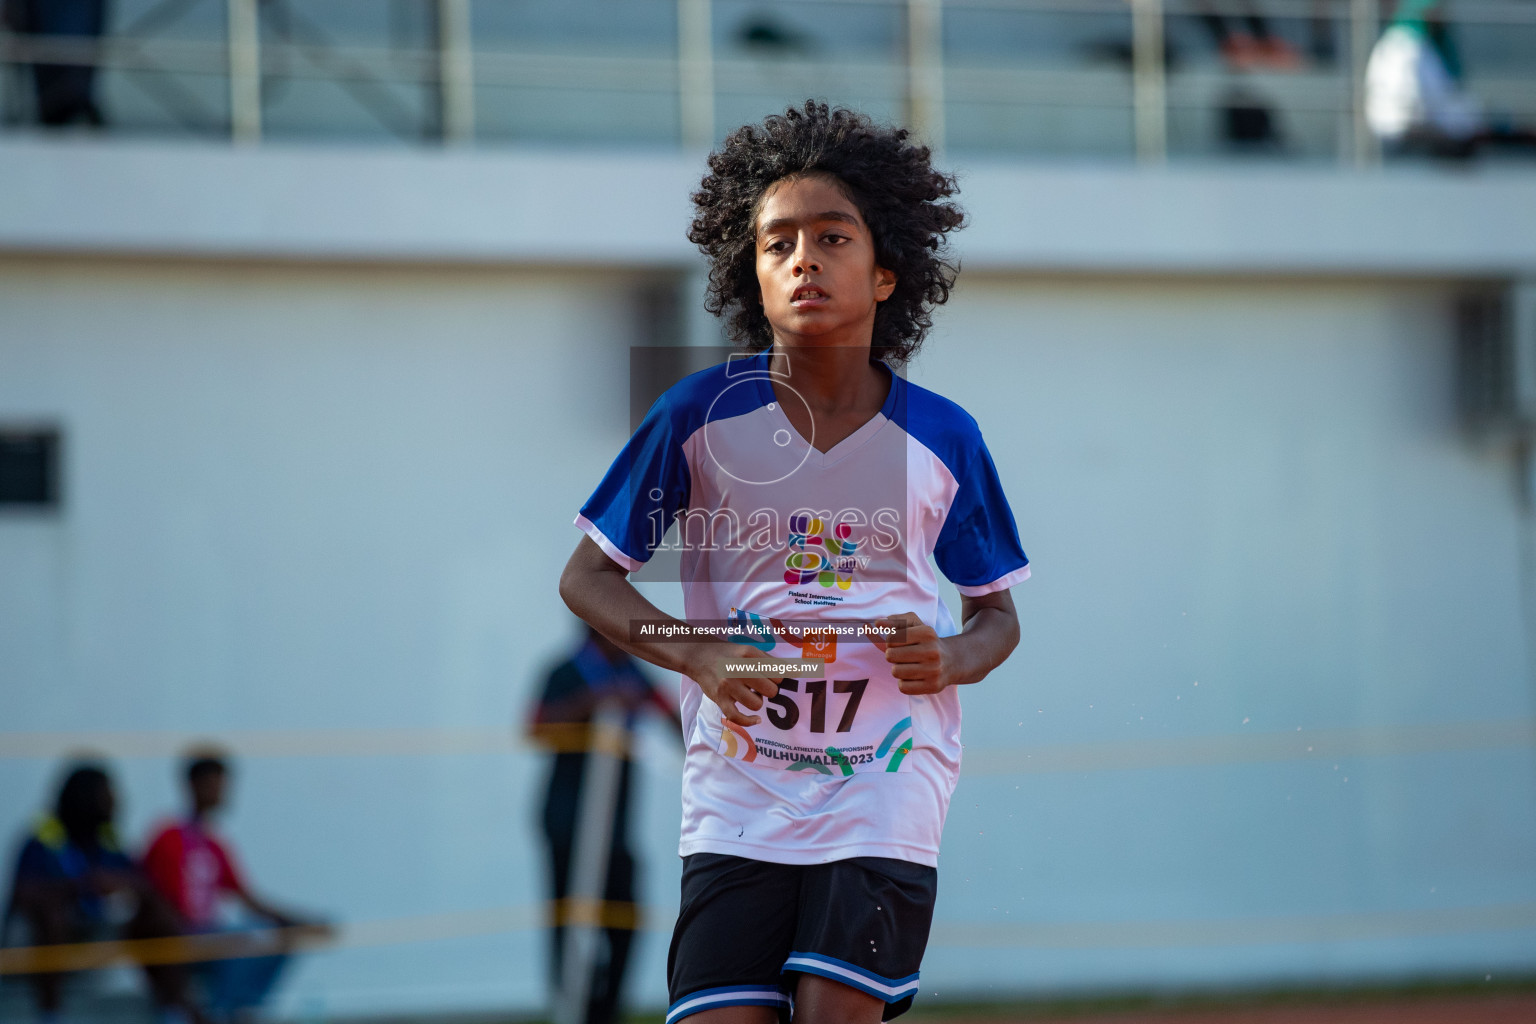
column 642, row 492
column 115, row 860
column 978, row 548
column 37, row 861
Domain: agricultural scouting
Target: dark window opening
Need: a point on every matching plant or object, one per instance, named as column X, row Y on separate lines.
column 29, row 467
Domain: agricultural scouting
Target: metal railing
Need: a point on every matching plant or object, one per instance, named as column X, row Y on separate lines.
column 925, row 82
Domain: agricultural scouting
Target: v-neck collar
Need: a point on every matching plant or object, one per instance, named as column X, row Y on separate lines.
column 848, row 445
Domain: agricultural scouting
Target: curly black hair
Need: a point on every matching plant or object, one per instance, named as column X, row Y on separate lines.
column 890, row 180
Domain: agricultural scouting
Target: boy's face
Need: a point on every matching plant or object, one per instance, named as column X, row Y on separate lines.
column 816, row 270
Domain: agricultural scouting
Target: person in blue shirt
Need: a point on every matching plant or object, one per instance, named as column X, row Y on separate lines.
column 73, row 883
column 597, row 671
column 65, row 93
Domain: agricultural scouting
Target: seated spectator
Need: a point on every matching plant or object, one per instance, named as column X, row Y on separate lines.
column 195, row 872
column 73, row 883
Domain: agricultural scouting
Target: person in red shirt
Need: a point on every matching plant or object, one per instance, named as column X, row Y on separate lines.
column 195, row 871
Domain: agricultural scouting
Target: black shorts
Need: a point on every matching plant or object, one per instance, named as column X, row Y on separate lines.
column 748, row 928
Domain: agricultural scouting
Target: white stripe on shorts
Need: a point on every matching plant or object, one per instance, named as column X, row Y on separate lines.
column 891, row 990
column 744, row 995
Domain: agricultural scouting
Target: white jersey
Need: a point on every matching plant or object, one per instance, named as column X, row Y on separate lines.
column 772, row 533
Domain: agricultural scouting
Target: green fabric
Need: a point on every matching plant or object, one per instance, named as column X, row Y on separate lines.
column 1415, row 15
column 49, row 831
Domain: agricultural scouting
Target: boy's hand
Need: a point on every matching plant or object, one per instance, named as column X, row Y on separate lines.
column 918, row 660
column 707, row 668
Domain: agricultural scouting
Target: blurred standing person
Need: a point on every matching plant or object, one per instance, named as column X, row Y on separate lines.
column 598, row 671
column 74, row 883
column 65, row 93
column 1415, row 98
column 194, row 871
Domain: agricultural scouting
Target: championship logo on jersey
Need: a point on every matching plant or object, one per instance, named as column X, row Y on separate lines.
column 813, row 557
column 736, row 742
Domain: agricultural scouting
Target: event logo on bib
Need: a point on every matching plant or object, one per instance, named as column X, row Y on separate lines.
column 736, row 742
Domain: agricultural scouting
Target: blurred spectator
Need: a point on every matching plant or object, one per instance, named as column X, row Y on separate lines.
column 1414, row 96
column 1322, row 39
column 1245, row 40
column 1248, row 123
column 65, row 93
column 74, row 883
column 195, row 871
column 768, row 37
column 598, row 671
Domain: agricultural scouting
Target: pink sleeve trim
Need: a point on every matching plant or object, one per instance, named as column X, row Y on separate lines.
column 1018, row 575
column 609, row 548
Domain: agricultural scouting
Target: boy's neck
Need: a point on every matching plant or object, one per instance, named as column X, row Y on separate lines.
column 841, row 390
column 831, row 378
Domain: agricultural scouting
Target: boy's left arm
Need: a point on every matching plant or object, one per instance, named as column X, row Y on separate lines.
column 924, row 662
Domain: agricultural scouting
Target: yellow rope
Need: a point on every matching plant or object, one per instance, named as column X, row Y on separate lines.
column 1027, row 757
column 235, row 945
column 177, row 949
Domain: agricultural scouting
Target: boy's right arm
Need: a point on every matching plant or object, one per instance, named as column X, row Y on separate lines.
column 598, row 590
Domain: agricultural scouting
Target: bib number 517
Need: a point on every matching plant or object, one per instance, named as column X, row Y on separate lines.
column 784, row 711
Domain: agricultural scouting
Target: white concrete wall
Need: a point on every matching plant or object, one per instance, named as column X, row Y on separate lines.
column 303, row 500
column 1256, row 529
column 337, row 499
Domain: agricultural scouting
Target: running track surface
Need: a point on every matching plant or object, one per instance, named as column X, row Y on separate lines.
column 1514, row 1008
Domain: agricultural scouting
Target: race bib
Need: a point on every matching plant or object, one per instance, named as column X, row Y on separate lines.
column 856, row 719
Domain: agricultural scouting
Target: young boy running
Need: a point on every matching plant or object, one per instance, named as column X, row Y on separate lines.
column 811, row 484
